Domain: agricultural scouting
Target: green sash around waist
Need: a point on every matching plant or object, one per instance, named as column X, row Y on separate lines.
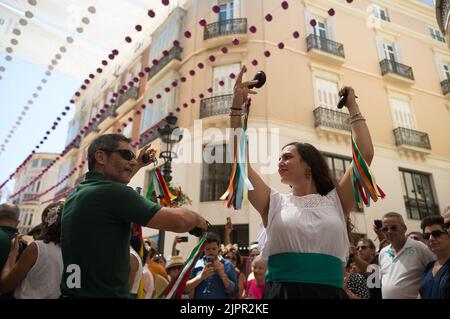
column 310, row 268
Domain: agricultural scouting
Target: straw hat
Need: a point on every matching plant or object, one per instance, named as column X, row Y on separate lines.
column 175, row 261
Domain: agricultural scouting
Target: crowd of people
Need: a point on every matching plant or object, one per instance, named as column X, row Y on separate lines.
column 401, row 266
column 89, row 247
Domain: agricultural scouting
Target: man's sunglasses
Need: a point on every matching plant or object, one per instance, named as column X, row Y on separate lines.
column 361, row 248
column 392, row 228
column 125, row 154
column 434, row 233
column 447, row 225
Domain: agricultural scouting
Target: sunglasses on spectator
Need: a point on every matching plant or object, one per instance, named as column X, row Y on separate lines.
column 392, row 228
column 434, row 233
column 447, row 225
column 180, row 267
column 361, row 247
column 125, row 154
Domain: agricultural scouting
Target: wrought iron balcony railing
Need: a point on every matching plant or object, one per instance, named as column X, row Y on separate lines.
column 216, row 105
column 389, row 66
column 27, row 196
column 174, row 54
column 324, row 44
column 151, row 134
column 404, row 136
column 92, row 128
column 225, row 27
column 132, row 92
column 331, row 118
column 111, row 111
column 445, row 85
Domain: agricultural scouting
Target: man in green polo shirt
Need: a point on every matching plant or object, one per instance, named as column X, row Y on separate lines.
column 97, row 217
column 9, row 219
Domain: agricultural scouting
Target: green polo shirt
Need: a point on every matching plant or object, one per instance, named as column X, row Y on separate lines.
column 6, row 235
column 95, row 236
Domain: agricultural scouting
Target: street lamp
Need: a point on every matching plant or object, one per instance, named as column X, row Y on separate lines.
column 170, row 134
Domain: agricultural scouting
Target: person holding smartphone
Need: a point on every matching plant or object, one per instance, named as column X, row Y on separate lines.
column 213, row 277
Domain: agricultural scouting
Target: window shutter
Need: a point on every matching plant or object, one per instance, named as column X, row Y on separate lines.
column 381, row 54
column 237, row 9
column 327, row 93
column 308, row 17
column 440, row 68
column 398, row 52
column 403, row 115
column 330, row 29
column 222, row 73
column 214, row 16
column 387, row 15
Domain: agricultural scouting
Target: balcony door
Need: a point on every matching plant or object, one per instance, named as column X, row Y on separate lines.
column 389, row 51
column 222, row 83
column 403, row 115
column 226, row 10
column 320, row 29
column 326, row 93
column 446, row 68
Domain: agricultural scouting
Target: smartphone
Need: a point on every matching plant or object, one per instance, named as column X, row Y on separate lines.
column 228, row 220
column 210, row 259
column 184, row 239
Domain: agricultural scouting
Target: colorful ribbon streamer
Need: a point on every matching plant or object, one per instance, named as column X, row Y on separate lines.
column 176, row 287
column 364, row 184
column 158, row 185
column 239, row 179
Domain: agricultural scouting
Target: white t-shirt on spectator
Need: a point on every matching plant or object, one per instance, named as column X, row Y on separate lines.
column 138, row 275
column 401, row 274
column 44, row 277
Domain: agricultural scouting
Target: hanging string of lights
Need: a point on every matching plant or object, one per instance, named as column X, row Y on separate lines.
column 51, row 66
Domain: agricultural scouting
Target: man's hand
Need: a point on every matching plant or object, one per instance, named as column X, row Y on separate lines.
column 207, row 272
column 202, row 223
column 219, row 267
column 228, row 227
column 379, row 233
column 146, row 156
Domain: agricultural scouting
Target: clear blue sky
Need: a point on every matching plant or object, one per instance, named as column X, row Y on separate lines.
column 17, row 86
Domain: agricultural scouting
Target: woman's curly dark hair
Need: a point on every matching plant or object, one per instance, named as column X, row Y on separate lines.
column 51, row 233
